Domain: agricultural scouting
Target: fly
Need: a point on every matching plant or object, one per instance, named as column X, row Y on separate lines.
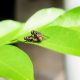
column 35, row 37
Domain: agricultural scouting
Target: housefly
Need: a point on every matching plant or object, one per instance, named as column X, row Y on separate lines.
column 35, row 37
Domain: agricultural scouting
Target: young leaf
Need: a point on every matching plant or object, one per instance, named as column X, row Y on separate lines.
column 15, row 64
column 8, row 30
column 70, row 19
column 63, row 34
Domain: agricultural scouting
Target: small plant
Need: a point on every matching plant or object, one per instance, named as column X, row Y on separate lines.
column 53, row 28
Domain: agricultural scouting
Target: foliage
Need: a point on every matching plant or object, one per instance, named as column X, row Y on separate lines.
column 60, row 29
column 15, row 64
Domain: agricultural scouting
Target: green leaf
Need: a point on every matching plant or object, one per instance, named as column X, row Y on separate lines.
column 63, row 34
column 8, row 30
column 39, row 19
column 15, row 64
column 70, row 19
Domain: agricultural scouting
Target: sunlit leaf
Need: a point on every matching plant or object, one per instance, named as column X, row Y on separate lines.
column 63, row 34
column 61, row 29
column 70, row 19
column 8, row 30
column 15, row 64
